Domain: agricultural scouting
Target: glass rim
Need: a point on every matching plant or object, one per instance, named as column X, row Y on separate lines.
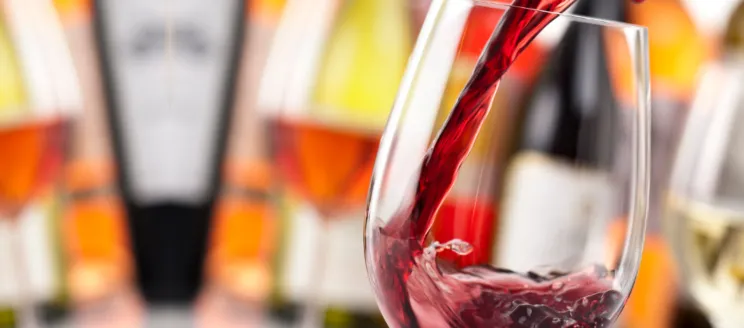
column 577, row 18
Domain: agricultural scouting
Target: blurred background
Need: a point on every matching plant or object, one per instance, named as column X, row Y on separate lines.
column 194, row 163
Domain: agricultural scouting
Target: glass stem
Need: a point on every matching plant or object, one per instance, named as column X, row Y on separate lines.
column 25, row 308
column 313, row 315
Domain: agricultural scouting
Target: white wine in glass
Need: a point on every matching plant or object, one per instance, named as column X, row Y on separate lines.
column 705, row 206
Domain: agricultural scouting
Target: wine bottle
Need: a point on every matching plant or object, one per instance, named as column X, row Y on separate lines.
column 169, row 78
column 94, row 230
column 242, row 239
column 573, row 89
column 326, row 153
column 677, row 52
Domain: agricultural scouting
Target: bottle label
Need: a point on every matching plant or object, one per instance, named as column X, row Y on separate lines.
column 170, row 68
column 554, row 216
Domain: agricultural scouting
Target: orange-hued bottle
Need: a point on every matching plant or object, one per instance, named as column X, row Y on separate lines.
column 94, row 227
column 677, row 52
column 242, row 236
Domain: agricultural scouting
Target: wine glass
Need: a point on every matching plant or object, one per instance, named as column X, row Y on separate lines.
column 326, row 91
column 704, row 209
column 38, row 91
column 543, row 225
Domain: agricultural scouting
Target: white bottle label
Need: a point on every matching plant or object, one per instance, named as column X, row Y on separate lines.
column 170, row 63
column 554, row 216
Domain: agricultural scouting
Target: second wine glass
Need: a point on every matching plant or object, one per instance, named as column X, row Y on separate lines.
column 328, row 85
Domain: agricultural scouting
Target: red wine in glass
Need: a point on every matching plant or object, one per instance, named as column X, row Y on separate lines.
column 482, row 296
column 411, row 281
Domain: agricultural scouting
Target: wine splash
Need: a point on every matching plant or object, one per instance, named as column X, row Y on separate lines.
column 481, row 296
column 415, row 290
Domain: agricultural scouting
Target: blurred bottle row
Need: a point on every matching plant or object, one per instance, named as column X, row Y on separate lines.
column 219, row 153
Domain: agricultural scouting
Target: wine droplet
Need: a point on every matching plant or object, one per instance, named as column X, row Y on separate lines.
column 455, row 245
